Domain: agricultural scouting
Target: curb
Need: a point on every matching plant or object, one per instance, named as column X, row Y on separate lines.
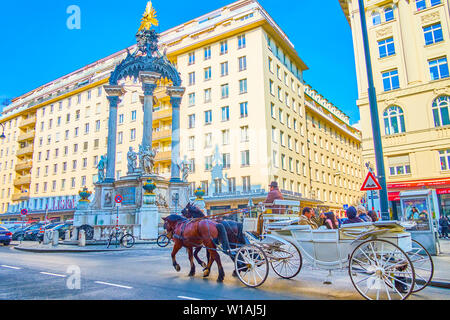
column 39, row 250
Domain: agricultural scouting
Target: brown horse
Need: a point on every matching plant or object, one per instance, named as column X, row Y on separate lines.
column 234, row 231
column 196, row 233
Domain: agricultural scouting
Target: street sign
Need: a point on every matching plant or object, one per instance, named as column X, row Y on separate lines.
column 370, row 183
column 118, row 199
column 24, row 212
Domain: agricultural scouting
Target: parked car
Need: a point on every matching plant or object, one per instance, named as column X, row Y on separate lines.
column 61, row 229
column 32, row 234
column 5, row 236
column 20, row 233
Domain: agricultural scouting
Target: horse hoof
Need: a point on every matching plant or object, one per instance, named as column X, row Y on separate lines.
column 204, row 265
column 235, row 274
column 220, row 279
column 192, row 273
column 206, row 274
column 177, row 267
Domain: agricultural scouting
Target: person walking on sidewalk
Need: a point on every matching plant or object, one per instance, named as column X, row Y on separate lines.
column 443, row 222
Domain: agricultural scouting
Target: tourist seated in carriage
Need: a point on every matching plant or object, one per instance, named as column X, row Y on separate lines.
column 307, row 218
column 331, row 221
column 362, row 214
column 373, row 215
column 352, row 216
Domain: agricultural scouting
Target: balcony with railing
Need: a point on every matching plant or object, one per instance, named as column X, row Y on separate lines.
column 28, row 122
column 163, row 156
column 22, row 180
column 24, row 151
column 162, row 114
column 24, row 196
column 162, row 134
column 24, row 165
column 26, row 136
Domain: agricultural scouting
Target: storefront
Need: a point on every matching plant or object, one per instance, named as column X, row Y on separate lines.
column 444, row 201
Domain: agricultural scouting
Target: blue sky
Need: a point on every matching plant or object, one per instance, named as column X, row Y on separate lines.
column 37, row 47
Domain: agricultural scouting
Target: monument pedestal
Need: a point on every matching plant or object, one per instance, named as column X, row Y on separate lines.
column 179, row 196
column 149, row 217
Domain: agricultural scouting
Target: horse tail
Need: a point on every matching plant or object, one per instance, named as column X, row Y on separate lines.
column 241, row 237
column 223, row 238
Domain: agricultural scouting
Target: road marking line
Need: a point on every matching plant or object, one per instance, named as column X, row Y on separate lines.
column 54, row 274
column 188, row 298
column 113, row 284
column 11, row 267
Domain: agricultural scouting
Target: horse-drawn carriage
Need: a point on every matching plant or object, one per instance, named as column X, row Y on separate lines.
column 382, row 260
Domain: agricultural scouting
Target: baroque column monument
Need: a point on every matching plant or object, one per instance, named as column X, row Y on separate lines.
column 140, row 212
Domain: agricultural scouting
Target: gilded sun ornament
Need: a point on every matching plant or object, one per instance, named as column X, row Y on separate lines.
column 149, row 18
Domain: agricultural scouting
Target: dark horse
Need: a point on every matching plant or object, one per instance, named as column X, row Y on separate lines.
column 196, row 233
column 233, row 229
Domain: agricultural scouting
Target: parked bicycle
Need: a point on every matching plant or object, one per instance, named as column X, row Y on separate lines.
column 163, row 240
column 120, row 238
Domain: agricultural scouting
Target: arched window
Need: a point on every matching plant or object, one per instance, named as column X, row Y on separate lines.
column 388, row 14
column 394, row 122
column 376, row 18
column 440, row 111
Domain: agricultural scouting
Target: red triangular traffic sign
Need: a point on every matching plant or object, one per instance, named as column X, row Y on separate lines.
column 370, row 183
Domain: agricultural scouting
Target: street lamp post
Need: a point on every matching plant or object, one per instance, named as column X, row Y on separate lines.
column 378, row 147
column 2, row 136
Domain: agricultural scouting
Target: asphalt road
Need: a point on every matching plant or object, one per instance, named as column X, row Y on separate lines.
column 145, row 274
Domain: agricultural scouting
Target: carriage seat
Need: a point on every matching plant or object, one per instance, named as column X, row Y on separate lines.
column 352, row 231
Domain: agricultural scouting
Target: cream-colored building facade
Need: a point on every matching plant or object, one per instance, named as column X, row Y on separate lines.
column 409, row 47
column 246, row 117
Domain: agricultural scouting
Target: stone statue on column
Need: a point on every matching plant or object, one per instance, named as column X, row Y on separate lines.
column 185, row 169
column 132, row 161
column 147, row 159
column 101, row 166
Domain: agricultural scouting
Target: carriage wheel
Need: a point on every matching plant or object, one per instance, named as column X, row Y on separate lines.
column 423, row 265
column 287, row 261
column 380, row 270
column 251, row 266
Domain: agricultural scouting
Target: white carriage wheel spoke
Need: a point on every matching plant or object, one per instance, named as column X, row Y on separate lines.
column 398, row 292
column 258, row 274
column 421, row 269
column 389, row 258
column 361, row 262
column 418, row 275
column 254, row 276
column 363, row 279
column 374, row 254
column 396, row 264
column 387, row 290
column 378, row 294
column 365, row 255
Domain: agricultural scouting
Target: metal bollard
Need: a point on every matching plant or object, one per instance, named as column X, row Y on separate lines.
column 46, row 238
column 67, row 235
column 82, row 238
column 55, row 238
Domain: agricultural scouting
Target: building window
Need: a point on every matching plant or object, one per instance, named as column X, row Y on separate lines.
column 246, row 185
column 243, row 108
column 444, row 157
column 208, row 117
column 271, row 87
column 208, row 140
column 390, row 80
column 224, row 91
column 191, row 99
column 243, row 63
column 435, row 2
column 191, row 78
column 394, row 121
column 191, row 121
column 132, row 134
column 272, row 110
column 225, row 113
column 245, row 158
column 420, row 5
column 241, row 41
column 191, row 58
column 433, row 34
column 224, row 69
column 438, row 68
column 207, row 52
column 207, row 95
column 207, row 73
column 226, row 160
column 225, row 137
column 191, row 143
column 376, row 18
column 399, row 165
column 440, row 109
column 243, row 86
column 120, row 137
column 224, row 47
column 244, row 134
column 133, row 115
column 386, row 47
column 97, row 125
column 388, row 14
column 208, row 163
